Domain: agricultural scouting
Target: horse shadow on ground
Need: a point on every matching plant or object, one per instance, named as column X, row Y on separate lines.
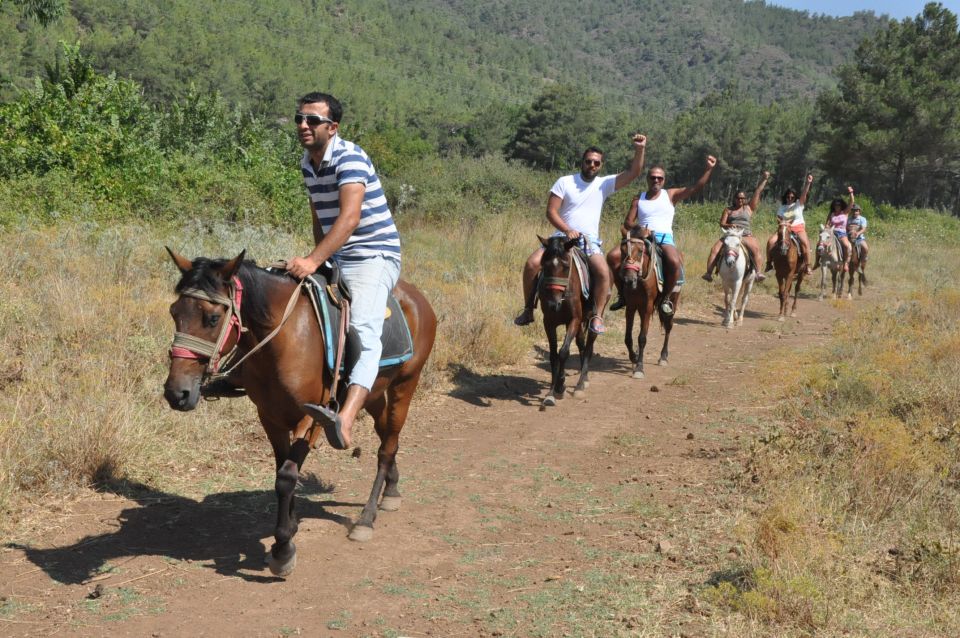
column 224, row 529
column 483, row 389
column 719, row 310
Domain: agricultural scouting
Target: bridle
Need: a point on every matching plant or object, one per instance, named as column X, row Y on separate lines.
column 629, row 263
column 732, row 253
column 187, row 346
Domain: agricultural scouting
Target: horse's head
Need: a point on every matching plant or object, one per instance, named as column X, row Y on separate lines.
column 824, row 241
column 207, row 325
column 555, row 266
column 783, row 235
column 732, row 243
column 635, row 256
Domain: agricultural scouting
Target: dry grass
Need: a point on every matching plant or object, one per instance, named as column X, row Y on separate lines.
column 83, row 316
column 858, row 531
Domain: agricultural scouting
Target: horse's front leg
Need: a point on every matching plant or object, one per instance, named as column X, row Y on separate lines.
column 551, row 331
column 586, row 353
column 283, row 554
column 573, row 328
column 667, row 322
column 796, row 294
column 730, row 299
column 628, row 332
column 646, row 311
column 823, row 280
column 747, row 288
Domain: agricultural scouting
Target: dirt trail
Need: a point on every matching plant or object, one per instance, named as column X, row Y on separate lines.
column 509, row 514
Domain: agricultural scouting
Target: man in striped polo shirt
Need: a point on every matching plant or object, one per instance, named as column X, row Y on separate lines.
column 353, row 226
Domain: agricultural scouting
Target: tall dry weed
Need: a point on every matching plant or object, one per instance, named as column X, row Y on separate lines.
column 860, row 476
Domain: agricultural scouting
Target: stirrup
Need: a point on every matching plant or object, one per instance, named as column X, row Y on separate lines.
column 667, row 307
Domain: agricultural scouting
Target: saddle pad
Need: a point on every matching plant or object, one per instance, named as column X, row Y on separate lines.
column 396, row 339
column 657, row 253
column 580, row 259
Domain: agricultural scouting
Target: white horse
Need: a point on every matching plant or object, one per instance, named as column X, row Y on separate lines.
column 829, row 255
column 737, row 281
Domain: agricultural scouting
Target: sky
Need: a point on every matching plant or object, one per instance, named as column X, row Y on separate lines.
column 898, row 9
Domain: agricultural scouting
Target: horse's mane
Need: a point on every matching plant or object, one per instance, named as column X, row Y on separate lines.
column 205, row 276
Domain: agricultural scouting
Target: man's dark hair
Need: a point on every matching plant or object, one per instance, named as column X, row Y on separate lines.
column 592, row 149
column 783, row 200
column 333, row 104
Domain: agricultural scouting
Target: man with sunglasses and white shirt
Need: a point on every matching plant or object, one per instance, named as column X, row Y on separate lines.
column 353, row 226
column 574, row 208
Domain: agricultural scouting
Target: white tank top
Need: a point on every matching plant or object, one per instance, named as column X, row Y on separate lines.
column 656, row 214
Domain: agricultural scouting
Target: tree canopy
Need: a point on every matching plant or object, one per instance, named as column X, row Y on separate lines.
column 892, row 126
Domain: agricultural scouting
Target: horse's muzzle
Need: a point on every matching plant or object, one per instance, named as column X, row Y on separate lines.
column 182, row 393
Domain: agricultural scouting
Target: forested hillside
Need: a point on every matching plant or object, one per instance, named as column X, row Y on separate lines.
column 863, row 101
column 442, row 58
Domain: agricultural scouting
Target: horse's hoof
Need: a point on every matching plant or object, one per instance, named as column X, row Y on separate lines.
column 793, row 315
column 558, row 395
column 390, row 503
column 638, row 374
column 586, row 384
column 549, row 401
column 781, row 318
column 662, row 362
column 361, row 533
column 579, row 394
column 282, row 568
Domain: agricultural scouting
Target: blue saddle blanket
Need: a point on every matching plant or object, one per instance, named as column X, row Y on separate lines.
column 396, row 338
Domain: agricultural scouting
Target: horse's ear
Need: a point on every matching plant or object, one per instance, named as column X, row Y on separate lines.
column 543, row 241
column 822, row 227
column 231, row 267
column 184, row 264
column 570, row 243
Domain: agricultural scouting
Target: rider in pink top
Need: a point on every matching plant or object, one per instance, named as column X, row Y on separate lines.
column 837, row 222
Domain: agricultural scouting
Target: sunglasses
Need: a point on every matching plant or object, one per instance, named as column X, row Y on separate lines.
column 655, row 178
column 593, row 162
column 312, row 120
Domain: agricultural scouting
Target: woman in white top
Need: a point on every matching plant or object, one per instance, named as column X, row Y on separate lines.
column 792, row 210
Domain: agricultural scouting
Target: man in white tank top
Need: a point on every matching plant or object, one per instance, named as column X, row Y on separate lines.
column 655, row 210
column 574, row 208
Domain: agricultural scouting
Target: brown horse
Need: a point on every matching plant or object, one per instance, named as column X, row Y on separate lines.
column 637, row 279
column 857, row 269
column 224, row 305
column 788, row 264
column 562, row 302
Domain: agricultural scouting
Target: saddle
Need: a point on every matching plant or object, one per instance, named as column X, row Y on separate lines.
column 327, row 293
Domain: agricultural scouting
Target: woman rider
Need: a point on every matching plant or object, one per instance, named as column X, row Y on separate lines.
column 857, row 230
column 737, row 215
column 837, row 222
column 792, row 209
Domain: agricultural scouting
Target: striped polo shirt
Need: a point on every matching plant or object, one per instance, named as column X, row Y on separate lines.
column 346, row 163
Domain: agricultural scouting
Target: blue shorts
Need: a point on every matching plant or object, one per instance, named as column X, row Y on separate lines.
column 664, row 239
column 840, row 233
column 861, row 238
